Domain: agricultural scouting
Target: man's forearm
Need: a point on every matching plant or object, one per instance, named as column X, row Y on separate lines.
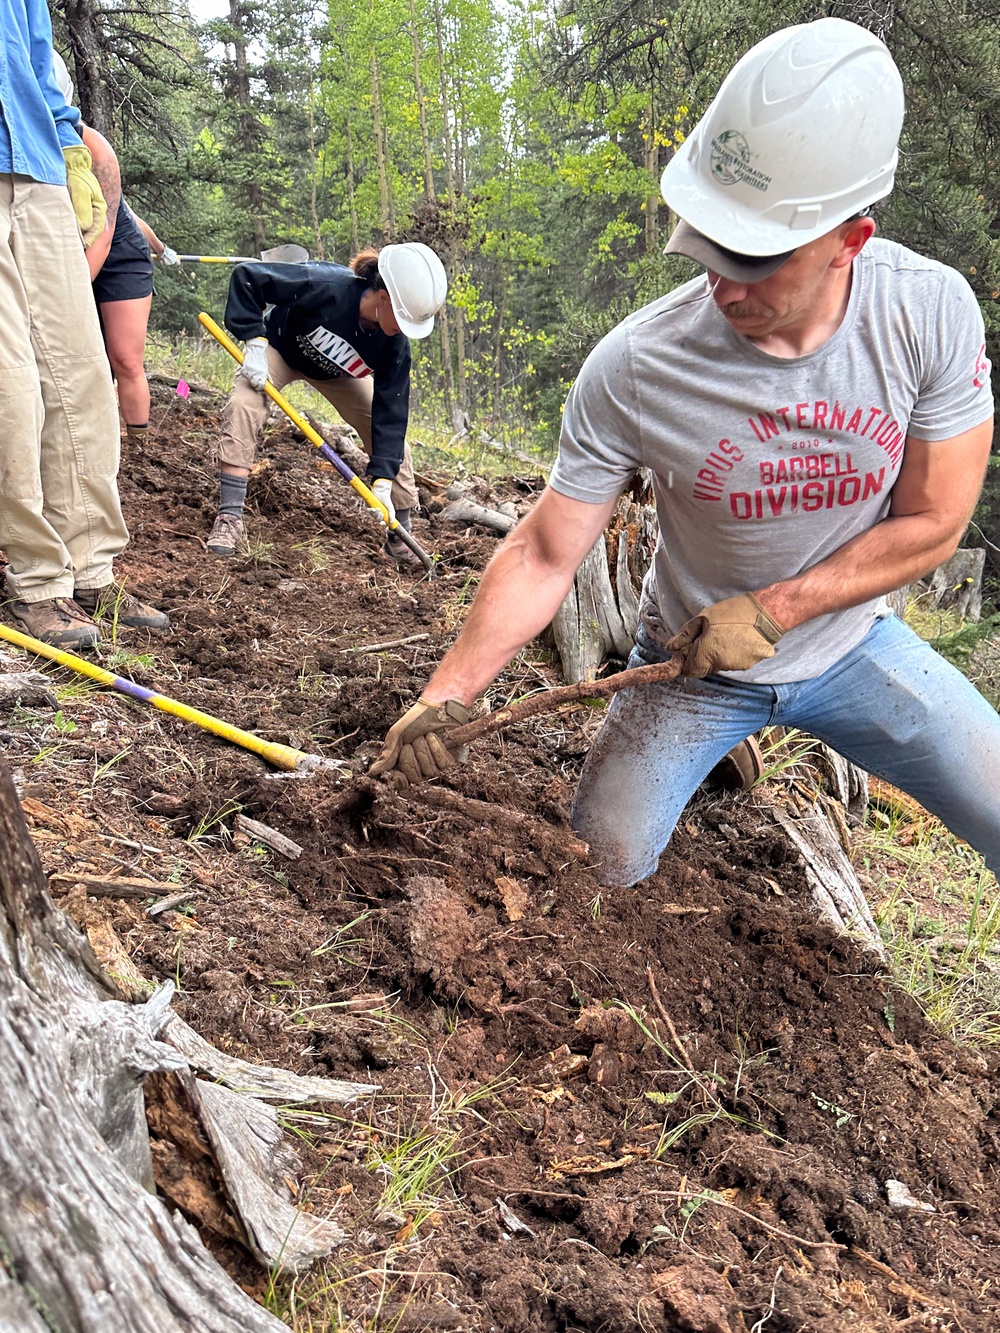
column 517, row 598
column 893, row 553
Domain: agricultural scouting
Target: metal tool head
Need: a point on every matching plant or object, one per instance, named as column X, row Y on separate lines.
column 285, row 254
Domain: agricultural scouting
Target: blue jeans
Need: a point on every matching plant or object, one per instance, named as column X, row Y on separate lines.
column 892, row 706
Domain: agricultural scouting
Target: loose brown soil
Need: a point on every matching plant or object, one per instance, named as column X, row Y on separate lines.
column 672, row 1108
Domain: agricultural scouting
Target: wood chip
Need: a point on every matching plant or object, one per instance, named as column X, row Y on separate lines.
column 268, row 836
column 168, row 904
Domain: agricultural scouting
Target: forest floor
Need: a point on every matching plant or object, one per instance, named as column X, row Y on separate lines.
column 671, row 1108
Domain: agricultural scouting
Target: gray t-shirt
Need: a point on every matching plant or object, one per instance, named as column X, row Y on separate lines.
column 763, row 466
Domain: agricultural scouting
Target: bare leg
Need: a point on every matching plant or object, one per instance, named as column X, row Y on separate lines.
column 125, row 338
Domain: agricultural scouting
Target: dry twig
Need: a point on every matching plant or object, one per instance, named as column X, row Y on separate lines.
column 668, row 1020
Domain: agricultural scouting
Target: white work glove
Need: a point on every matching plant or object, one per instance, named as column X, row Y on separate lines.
column 168, row 257
column 382, row 490
column 254, row 367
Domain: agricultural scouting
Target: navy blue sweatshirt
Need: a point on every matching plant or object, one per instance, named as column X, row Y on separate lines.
column 316, row 327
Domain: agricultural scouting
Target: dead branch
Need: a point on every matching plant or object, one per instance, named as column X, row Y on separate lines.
column 547, row 701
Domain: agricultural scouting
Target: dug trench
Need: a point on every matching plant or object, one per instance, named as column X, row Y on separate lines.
column 670, row 1108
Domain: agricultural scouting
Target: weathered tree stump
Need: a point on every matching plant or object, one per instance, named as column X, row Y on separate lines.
column 955, row 585
column 958, row 584
column 85, row 1247
column 600, row 616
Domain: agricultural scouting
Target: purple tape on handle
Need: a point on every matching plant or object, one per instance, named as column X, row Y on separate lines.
column 333, row 457
column 136, row 691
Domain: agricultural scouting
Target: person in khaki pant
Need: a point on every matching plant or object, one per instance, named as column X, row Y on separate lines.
column 61, row 524
column 345, row 330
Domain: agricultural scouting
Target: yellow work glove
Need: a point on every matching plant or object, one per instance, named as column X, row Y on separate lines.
column 732, row 635
column 88, row 203
column 413, row 750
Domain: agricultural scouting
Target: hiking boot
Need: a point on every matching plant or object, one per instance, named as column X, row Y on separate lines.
column 740, row 768
column 227, row 533
column 395, row 546
column 114, row 603
column 58, row 621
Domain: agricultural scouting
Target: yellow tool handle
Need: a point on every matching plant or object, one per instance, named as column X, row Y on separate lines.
column 281, row 756
column 311, row 434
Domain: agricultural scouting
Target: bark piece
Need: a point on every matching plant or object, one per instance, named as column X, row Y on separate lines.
column 589, row 623
column 26, row 689
column 253, row 1158
column 112, row 886
column 262, row 1081
column 600, row 615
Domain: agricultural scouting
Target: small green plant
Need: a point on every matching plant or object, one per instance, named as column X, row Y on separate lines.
column 783, row 752
column 212, row 819
column 123, row 662
column 259, row 551
column 63, row 724
column 343, row 941
column 704, row 1087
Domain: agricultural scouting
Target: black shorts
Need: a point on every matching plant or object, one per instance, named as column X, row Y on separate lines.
column 127, row 274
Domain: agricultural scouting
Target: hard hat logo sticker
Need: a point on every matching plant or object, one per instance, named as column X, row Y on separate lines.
column 731, row 162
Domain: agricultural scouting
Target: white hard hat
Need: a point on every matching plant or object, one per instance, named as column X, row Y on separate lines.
column 801, row 136
column 417, row 284
column 63, row 80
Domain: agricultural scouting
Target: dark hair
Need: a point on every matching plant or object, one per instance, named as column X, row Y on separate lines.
column 365, row 265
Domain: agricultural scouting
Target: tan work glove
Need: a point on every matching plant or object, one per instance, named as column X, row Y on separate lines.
column 88, row 203
column 413, row 749
column 732, row 635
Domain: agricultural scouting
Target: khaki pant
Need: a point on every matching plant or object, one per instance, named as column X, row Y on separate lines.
column 61, row 523
column 247, row 410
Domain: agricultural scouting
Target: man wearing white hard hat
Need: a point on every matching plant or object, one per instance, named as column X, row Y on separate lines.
column 345, row 330
column 817, row 415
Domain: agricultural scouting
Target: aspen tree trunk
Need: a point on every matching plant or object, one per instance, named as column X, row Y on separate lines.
column 352, row 203
column 454, row 374
column 313, row 208
column 652, row 155
column 444, row 331
column 385, row 216
column 425, row 141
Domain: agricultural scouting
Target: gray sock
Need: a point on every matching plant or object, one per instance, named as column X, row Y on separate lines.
column 232, row 494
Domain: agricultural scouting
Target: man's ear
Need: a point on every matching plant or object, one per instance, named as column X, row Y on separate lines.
column 854, row 236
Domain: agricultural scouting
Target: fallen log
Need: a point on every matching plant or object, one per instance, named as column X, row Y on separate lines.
column 467, row 512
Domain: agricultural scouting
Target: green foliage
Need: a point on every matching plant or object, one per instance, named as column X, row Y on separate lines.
column 523, row 140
